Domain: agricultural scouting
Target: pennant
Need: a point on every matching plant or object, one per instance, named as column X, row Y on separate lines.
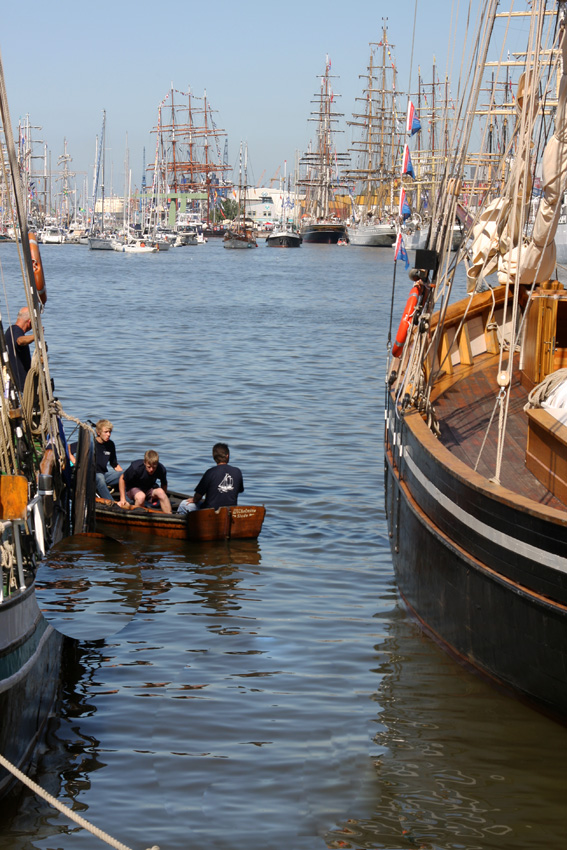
column 404, row 210
column 401, row 253
column 407, row 167
column 413, row 124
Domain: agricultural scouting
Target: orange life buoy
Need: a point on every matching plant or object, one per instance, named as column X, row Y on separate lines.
column 37, row 269
column 407, row 319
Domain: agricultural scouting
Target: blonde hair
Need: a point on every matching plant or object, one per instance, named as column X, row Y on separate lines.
column 102, row 424
column 151, row 456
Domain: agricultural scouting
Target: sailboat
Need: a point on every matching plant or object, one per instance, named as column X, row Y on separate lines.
column 36, row 504
column 98, row 239
column 375, row 153
column 128, row 243
column 284, row 235
column 242, row 233
column 476, row 424
column 322, row 178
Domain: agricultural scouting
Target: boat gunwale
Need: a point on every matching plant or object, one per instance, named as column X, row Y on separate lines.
column 468, row 477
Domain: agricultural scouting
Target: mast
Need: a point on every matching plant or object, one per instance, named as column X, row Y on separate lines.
column 103, row 152
column 376, row 148
column 190, row 156
column 319, row 164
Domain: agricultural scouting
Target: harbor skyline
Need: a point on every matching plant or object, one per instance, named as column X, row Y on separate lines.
column 260, row 72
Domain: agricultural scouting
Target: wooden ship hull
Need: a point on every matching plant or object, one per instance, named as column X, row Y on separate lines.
column 483, row 565
column 239, row 522
column 237, row 239
column 476, row 413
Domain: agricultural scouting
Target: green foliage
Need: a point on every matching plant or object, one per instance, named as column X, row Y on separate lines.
column 229, row 208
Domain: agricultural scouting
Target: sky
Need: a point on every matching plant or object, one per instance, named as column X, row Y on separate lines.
column 260, row 63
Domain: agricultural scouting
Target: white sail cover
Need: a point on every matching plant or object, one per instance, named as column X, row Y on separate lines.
column 539, row 256
column 497, row 234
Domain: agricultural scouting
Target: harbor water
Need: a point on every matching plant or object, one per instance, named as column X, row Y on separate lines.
column 270, row 694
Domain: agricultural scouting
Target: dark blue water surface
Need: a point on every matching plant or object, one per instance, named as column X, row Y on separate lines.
column 262, row 695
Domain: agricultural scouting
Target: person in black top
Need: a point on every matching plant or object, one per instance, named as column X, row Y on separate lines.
column 138, row 483
column 18, row 341
column 105, row 454
column 219, row 486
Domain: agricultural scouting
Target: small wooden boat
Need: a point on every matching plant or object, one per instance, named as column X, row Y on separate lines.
column 237, row 522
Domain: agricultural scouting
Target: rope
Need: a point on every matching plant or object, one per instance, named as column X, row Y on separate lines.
column 541, row 391
column 57, row 410
column 37, row 789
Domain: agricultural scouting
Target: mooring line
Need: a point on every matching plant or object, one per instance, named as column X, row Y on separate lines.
column 37, row 789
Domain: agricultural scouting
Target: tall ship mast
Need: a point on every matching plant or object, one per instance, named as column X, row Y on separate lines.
column 376, row 151
column 189, row 160
column 436, row 108
column 322, row 172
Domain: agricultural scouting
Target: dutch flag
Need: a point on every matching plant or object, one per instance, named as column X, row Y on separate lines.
column 413, row 124
column 407, row 167
column 401, row 253
column 404, row 210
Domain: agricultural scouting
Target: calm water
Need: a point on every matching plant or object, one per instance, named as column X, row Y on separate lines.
column 273, row 694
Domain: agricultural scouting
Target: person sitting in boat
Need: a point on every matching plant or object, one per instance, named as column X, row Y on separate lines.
column 105, row 454
column 219, row 486
column 18, row 341
column 137, row 484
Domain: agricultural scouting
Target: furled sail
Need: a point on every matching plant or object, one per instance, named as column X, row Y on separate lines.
column 496, row 244
column 497, row 233
column 539, row 256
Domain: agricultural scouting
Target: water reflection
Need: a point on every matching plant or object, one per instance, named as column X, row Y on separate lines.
column 89, row 586
column 67, row 758
column 459, row 766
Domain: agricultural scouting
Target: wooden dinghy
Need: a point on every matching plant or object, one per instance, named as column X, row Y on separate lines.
column 237, row 522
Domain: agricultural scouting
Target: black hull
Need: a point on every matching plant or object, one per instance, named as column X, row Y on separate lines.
column 485, row 577
column 29, row 684
column 326, row 234
column 284, row 241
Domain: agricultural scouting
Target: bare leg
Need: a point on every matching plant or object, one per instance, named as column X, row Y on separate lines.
column 164, row 502
column 139, row 499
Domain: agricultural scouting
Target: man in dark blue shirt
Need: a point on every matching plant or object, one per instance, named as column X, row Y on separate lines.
column 219, row 486
column 138, row 483
column 18, row 341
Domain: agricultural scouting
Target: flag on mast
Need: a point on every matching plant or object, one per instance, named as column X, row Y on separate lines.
column 401, row 253
column 413, row 124
column 404, row 210
column 407, row 167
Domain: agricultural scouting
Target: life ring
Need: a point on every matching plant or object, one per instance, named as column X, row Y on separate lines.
column 407, row 319
column 37, row 268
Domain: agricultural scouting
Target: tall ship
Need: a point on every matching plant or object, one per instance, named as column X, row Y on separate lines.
column 375, row 164
column 323, row 217
column 190, row 166
column 476, row 406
